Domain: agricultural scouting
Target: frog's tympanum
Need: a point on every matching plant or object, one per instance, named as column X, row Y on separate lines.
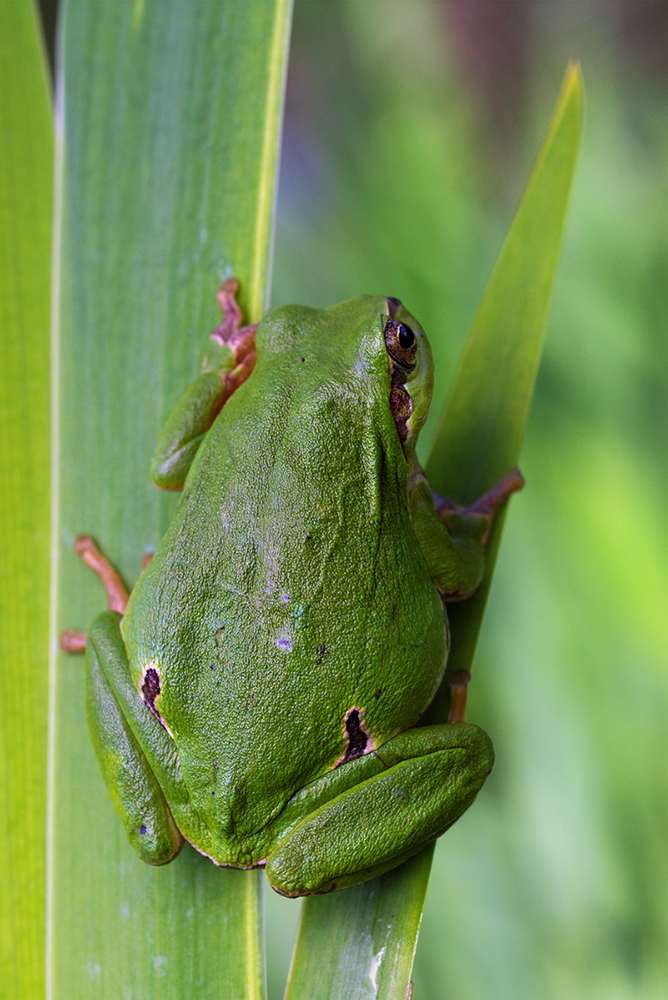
column 257, row 695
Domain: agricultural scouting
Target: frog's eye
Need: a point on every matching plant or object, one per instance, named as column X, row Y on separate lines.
column 401, row 344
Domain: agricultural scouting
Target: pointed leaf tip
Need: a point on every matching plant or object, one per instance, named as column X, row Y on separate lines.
column 481, row 426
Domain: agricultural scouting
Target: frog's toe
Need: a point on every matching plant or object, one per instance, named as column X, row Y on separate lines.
column 245, row 859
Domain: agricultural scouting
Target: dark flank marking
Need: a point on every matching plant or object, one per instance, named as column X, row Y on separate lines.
column 357, row 738
column 150, row 689
column 322, row 653
column 378, row 693
column 212, row 666
column 142, row 829
column 303, row 359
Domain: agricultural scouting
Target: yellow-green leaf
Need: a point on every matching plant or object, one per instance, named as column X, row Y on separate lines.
column 26, row 169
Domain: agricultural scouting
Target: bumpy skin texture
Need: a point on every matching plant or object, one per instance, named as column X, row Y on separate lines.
column 291, row 625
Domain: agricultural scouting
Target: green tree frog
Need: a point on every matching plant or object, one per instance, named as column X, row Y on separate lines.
column 257, row 695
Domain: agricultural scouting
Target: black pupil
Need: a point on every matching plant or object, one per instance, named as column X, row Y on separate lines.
column 406, row 337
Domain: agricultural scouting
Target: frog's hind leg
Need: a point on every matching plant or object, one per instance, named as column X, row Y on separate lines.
column 375, row 812
column 228, row 362
column 117, row 596
column 133, row 780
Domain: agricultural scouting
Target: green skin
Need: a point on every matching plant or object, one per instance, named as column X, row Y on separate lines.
column 258, row 694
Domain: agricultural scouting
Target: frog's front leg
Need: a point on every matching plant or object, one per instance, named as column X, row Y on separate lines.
column 369, row 815
column 111, row 701
column 452, row 538
column 229, row 361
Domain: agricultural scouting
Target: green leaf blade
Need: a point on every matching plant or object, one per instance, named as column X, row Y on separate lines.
column 359, row 943
column 170, row 141
column 26, row 159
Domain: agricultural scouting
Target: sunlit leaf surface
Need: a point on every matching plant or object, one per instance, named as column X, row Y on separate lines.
column 170, row 117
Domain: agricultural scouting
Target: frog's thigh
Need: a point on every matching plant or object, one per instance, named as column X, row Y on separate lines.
column 129, row 778
column 431, row 776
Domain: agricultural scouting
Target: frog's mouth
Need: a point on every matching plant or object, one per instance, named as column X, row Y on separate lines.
column 402, row 346
column 401, row 407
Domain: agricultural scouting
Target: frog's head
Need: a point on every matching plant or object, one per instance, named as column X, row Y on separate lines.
column 377, row 338
column 369, row 348
column 411, row 367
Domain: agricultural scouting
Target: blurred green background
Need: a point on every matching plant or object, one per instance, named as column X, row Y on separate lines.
column 410, row 129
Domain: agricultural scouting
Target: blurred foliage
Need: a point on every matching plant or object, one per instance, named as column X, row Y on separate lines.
column 399, row 176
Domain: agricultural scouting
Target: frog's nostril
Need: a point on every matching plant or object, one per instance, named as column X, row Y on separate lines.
column 393, row 306
column 401, row 407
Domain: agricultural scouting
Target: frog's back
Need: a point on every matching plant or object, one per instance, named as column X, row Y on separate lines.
column 307, row 596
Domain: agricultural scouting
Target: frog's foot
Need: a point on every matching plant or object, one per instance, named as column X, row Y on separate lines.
column 72, row 641
column 117, row 596
column 237, row 338
column 458, row 682
column 88, row 552
column 373, row 813
column 228, row 362
column 485, row 507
